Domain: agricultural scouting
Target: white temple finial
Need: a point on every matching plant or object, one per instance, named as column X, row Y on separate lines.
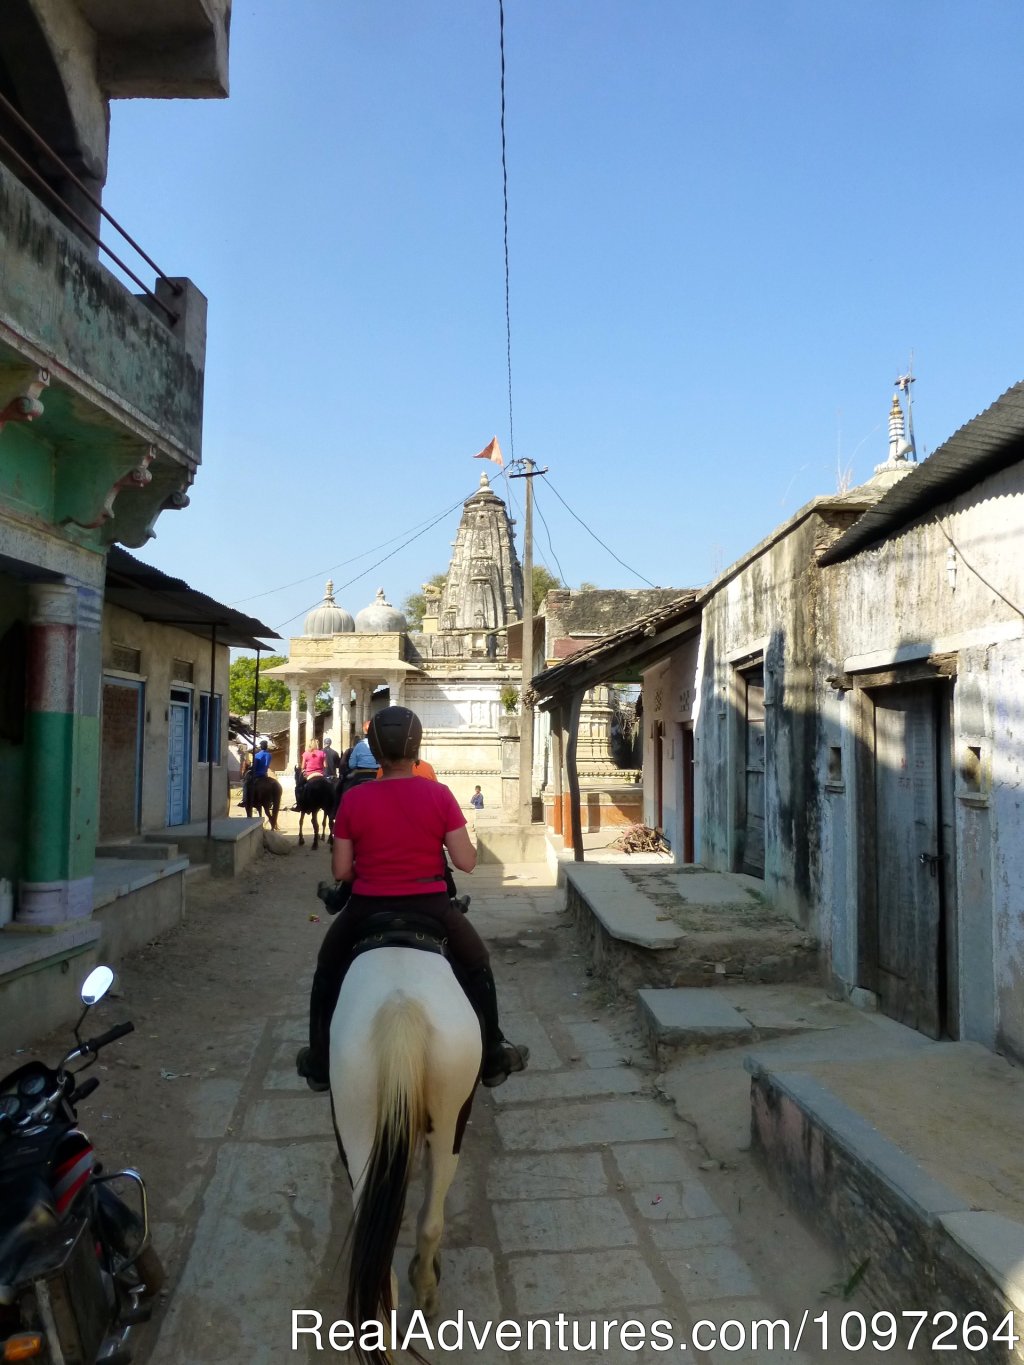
column 484, row 480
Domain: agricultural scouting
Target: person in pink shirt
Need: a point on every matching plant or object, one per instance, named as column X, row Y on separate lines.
column 314, row 764
column 390, row 838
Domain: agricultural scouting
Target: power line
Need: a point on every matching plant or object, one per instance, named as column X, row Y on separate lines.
column 596, row 537
column 547, row 530
column 504, row 181
column 361, row 555
column 382, row 560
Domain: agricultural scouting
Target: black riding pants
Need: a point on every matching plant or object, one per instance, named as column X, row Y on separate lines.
column 467, row 953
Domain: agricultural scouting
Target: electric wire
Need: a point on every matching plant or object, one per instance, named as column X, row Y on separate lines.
column 547, row 529
column 596, row 537
column 376, row 564
column 504, row 181
column 354, row 559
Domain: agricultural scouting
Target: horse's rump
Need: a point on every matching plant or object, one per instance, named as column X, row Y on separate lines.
column 405, row 1056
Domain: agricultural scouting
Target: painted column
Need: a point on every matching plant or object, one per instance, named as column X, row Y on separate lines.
column 62, row 752
column 293, row 726
column 396, row 687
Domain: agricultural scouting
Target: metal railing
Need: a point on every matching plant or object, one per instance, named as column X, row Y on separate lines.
column 44, row 184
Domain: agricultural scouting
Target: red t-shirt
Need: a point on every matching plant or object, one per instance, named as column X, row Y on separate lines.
column 397, row 829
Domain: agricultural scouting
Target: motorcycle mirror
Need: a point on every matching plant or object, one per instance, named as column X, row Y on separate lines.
column 96, row 985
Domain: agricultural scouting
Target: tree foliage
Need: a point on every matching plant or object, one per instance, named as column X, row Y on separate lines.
column 415, row 605
column 543, row 581
column 274, row 694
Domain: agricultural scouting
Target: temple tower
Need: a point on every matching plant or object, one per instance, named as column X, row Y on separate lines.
column 484, row 588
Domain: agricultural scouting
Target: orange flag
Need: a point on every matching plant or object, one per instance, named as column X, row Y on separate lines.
column 491, row 451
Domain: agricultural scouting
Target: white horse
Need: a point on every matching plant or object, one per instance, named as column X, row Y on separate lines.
column 405, row 1059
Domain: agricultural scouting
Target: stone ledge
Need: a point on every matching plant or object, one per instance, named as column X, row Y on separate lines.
column 116, row 877
column 21, row 948
column 622, row 911
column 913, row 1240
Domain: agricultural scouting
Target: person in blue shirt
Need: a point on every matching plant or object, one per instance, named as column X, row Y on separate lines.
column 477, row 799
column 260, row 767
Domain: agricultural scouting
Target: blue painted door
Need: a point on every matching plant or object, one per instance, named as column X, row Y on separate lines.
column 179, row 762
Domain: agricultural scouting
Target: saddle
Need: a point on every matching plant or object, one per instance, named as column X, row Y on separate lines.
column 404, row 930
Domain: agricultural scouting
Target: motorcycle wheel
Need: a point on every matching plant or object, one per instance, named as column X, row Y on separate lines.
column 150, row 1271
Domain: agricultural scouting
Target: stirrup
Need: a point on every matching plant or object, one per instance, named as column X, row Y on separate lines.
column 512, row 1059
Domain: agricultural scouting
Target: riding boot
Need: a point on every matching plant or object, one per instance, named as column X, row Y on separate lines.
column 501, row 1058
column 313, row 1061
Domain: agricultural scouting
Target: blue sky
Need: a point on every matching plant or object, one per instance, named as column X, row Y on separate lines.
column 730, row 225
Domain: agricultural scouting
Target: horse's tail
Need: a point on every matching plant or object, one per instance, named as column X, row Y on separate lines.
column 398, row 1042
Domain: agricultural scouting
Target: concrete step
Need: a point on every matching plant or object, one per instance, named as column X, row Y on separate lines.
column 197, row 872
column 149, row 851
column 701, row 1018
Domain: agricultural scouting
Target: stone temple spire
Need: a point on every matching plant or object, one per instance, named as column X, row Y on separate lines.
column 898, row 463
column 484, row 587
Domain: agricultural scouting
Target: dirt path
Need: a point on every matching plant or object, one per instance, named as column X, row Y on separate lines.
column 580, row 1190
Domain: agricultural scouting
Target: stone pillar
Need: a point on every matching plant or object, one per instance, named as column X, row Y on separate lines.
column 346, row 718
column 293, row 727
column 340, row 743
column 396, row 687
column 62, row 749
column 310, row 714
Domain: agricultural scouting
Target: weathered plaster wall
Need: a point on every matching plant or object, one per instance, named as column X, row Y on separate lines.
column 75, row 51
column 460, row 719
column 766, row 611
column 159, row 647
column 896, row 604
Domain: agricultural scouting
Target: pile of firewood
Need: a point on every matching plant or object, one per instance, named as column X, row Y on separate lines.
column 639, row 839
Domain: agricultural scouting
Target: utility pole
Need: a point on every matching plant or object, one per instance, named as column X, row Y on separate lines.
column 530, row 471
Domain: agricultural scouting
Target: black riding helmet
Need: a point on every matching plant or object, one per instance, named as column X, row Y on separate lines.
column 394, row 733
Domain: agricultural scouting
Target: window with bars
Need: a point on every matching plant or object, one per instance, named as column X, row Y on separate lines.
column 208, row 747
column 182, row 670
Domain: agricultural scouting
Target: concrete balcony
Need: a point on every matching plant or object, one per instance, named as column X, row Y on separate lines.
column 101, row 392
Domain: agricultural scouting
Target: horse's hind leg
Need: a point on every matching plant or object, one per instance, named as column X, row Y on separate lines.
column 425, row 1271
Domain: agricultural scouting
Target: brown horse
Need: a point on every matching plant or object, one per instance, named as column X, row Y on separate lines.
column 265, row 794
column 317, row 798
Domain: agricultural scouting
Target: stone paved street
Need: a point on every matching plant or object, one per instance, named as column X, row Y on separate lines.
column 580, row 1191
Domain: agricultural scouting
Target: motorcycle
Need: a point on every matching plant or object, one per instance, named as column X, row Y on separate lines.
column 76, row 1261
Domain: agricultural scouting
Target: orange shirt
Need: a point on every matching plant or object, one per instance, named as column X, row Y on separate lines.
column 421, row 768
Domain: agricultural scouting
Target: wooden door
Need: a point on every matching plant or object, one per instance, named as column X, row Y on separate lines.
column 752, row 786
column 179, row 761
column 910, row 871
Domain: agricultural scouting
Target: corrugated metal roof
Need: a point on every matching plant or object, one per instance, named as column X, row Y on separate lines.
column 986, row 444
column 590, row 664
column 155, row 596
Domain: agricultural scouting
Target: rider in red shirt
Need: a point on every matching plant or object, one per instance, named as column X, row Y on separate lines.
column 390, row 838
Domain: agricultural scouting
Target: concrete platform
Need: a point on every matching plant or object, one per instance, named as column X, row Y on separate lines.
column 232, row 845
column 657, row 925
column 934, row 1219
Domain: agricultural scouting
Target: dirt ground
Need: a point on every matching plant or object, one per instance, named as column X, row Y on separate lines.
column 197, row 996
